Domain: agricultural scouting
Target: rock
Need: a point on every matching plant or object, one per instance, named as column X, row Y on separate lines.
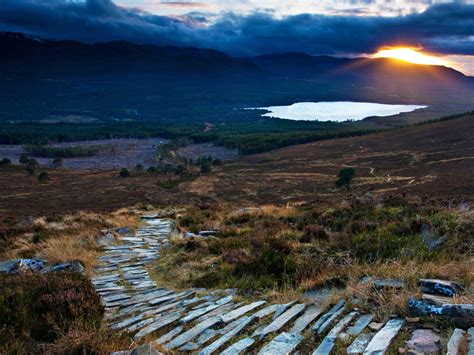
column 363, row 321
column 440, row 287
column 146, row 349
column 424, row 341
column 240, row 311
column 75, row 266
column 20, row 265
column 328, row 342
column 244, row 321
column 238, row 347
column 192, row 333
column 437, row 300
column 461, row 314
column 359, row 344
column 210, row 233
column 470, row 340
column 106, row 239
column 328, row 314
column 412, row 319
column 278, row 323
column 381, row 284
column 454, row 342
column 123, row 230
column 376, row 326
column 284, row 343
column 382, row 340
column 302, row 322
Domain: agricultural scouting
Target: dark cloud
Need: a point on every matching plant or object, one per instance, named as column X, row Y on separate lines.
column 445, row 28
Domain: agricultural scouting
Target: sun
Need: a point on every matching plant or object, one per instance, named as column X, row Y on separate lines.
column 411, row 55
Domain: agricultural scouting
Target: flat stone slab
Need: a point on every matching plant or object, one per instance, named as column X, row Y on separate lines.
column 168, row 336
column 424, row 341
column 192, row 333
column 266, row 311
column 382, row 340
column 284, row 343
column 158, row 323
column 454, row 342
column 360, row 344
column 362, row 322
column 327, row 323
column 328, row 314
column 278, row 323
column 244, row 321
column 470, row 341
column 239, row 347
column 328, row 342
column 241, row 311
column 304, row 320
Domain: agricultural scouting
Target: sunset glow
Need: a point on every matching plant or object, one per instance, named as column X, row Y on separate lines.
column 410, row 55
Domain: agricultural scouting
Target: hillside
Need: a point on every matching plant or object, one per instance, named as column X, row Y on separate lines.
column 432, row 160
column 435, row 160
column 109, row 80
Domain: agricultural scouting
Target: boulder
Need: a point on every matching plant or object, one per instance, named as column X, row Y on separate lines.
column 440, row 287
column 461, row 314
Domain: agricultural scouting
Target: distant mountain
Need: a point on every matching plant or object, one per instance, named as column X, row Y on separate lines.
column 40, row 77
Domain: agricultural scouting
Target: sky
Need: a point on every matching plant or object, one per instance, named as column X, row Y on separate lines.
column 250, row 27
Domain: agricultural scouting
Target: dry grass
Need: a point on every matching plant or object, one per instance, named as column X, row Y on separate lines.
column 68, row 237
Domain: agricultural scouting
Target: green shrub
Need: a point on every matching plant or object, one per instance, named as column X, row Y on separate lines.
column 124, row 173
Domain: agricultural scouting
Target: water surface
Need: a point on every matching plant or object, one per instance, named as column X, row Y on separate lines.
column 337, row 111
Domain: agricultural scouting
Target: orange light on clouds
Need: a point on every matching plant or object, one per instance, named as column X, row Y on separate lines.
column 411, row 55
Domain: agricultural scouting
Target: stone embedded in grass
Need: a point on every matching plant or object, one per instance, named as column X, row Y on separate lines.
column 283, row 343
column 244, row 321
column 238, row 347
column 168, row 336
column 192, row 333
column 440, row 287
column 470, row 340
column 424, row 341
column 328, row 314
column 304, row 320
column 359, row 344
column 328, row 342
column 158, row 323
column 362, row 322
column 382, row 284
column 382, row 340
column 240, row 311
column 455, row 341
column 278, row 323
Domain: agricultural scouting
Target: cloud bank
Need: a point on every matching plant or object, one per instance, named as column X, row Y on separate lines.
column 443, row 28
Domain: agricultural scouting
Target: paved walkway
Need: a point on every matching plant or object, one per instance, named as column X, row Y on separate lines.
column 215, row 322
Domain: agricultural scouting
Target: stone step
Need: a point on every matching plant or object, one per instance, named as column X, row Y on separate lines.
column 282, row 344
column 266, row 311
column 168, row 336
column 362, row 322
column 241, row 311
column 339, row 305
column 157, row 324
column 360, row 344
column 201, row 311
column 304, row 320
column 282, row 308
column 284, row 318
column 328, row 342
column 139, row 325
column 455, row 341
column 470, row 341
column 382, row 340
column 239, row 347
column 218, row 311
column 244, row 321
column 192, row 333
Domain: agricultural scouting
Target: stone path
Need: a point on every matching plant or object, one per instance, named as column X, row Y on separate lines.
column 203, row 322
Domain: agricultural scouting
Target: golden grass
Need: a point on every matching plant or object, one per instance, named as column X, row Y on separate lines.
column 69, row 237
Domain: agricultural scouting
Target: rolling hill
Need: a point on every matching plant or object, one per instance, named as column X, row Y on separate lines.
column 41, row 77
